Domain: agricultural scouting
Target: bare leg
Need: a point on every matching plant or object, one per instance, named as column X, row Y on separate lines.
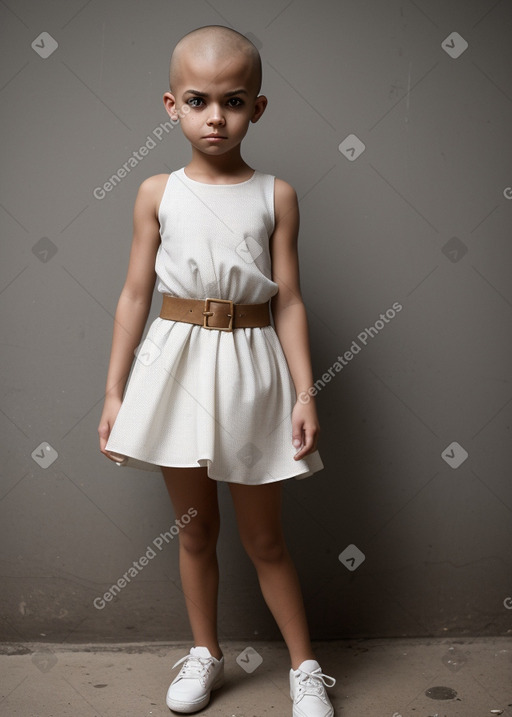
column 199, row 570
column 258, row 512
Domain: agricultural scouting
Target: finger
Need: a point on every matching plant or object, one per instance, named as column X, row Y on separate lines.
column 297, row 435
column 309, row 445
column 115, row 457
column 103, row 432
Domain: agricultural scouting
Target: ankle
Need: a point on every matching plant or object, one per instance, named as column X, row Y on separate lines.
column 296, row 663
column 214, row 650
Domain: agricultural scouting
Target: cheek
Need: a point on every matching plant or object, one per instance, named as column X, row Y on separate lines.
column 242, row 123
column 190, row 121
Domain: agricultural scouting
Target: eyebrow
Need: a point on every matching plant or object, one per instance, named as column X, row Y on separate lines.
column 205, row 94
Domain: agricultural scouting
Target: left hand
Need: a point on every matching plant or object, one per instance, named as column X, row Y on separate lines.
column 305, row 428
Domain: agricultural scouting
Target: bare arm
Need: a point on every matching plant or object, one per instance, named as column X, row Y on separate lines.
column 135, row 299
column 289, row 314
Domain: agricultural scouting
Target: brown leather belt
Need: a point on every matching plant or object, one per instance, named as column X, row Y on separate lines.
column 220, row 314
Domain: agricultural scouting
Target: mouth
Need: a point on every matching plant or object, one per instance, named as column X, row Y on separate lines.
column 214, row 136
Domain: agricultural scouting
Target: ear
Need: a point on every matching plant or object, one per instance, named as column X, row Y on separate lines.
column 260, row 104
column 170, row 106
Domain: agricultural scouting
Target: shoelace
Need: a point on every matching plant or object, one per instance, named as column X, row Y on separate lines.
column 312, row 683
column 194, row 667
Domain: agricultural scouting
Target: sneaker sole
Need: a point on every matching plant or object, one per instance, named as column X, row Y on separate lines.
column 295, row 712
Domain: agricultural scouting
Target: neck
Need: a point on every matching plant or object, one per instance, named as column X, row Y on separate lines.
column 229, row 164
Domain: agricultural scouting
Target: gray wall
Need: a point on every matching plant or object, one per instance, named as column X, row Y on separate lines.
column 421, row 217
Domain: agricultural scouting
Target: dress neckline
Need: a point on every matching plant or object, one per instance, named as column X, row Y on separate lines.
column 209, row 184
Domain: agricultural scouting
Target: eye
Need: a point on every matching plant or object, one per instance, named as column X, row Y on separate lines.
column 193, row 100
column 238, row 102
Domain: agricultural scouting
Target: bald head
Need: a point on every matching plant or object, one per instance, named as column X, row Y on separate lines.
column 217, row 45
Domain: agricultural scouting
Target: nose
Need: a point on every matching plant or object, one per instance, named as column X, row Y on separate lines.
column 216, row 117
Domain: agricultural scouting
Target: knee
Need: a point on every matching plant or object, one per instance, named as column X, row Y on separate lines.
column 199, row 537
column 265, row 547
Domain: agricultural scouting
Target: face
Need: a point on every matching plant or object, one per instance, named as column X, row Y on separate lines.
column 215, row 103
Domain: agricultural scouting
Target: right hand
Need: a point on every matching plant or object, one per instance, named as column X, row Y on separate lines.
column 108, row 417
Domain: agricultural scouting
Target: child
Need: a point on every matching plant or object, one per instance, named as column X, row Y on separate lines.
column 212, row 395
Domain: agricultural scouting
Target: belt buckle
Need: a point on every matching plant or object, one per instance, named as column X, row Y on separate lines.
column 207, row 313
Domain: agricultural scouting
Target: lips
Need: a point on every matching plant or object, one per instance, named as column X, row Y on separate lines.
column 215, row 136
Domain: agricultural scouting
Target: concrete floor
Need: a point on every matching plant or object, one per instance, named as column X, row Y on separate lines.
column 375, row 678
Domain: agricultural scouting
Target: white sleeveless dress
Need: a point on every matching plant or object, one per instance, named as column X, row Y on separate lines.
column 199, row 397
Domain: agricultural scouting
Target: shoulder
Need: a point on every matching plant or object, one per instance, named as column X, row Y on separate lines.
column 153, row 185
column 285, row 197
column 151, row 191
column 284, row 190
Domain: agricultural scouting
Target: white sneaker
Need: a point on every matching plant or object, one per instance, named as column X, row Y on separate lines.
column 307, row 690
column 191, row 688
